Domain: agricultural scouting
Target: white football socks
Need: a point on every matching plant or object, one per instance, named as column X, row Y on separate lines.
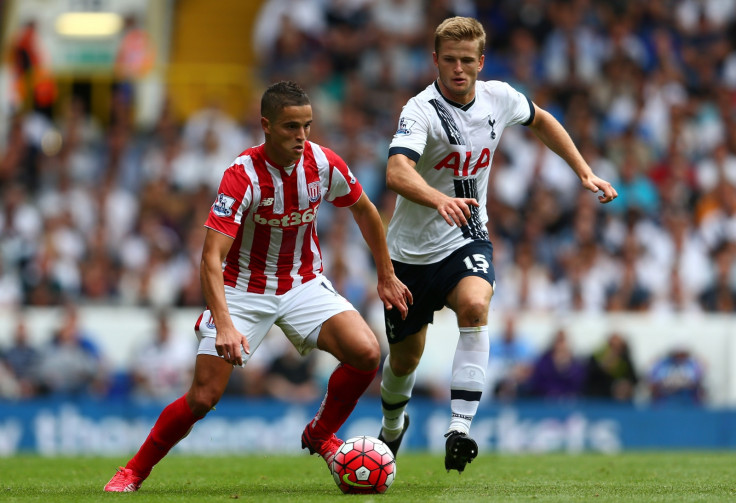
column 468, row 376
column 395, row 395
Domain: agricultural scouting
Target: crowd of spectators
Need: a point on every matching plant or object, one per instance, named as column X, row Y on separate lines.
column 109, row 213
column 70, row 364
column 556, row 373
column 94, row 213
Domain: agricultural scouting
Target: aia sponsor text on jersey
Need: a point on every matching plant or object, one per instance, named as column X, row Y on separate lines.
column 461, row 167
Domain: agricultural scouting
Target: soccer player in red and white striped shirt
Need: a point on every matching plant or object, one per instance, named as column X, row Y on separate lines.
column 261, row 266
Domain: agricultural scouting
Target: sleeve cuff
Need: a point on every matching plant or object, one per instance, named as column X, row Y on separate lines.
column 414, row 156
column 531, row 112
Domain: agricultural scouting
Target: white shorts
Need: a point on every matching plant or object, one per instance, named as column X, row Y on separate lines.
column 299, row 313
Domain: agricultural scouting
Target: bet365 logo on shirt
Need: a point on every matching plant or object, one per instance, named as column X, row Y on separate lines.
column 288, row 220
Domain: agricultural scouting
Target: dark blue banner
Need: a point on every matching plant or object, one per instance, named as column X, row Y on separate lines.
column 87, row 427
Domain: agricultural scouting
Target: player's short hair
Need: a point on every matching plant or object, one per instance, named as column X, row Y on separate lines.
column 459, row 29
column 281, row 95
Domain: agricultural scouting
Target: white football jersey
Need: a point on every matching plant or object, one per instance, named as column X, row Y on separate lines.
column 453, row 146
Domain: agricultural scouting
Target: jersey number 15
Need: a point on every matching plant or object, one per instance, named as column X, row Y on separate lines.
column 476, row 263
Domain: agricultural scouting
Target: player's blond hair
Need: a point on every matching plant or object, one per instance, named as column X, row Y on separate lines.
column 459, row 29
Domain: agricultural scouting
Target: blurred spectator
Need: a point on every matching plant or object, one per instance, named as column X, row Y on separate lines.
column 573, row 51
column 674, row 176
column 134, row 60
column 173, row 165
column 210, row 125
column 347, row 261
column 402, row 22
column 278, row 18
column 22, row 361
column 720, row 296
column 290, row 377
column 716, row 216
column 136, row 55
column 162, row 368
column 717, row 168
column 510, row 363
column 587, row 272
column 679, row 245
column 120, row 156
column 528, row 283
column 72, row 364
column 627, row 291
column 33, row 85
column 252, row 381
column 636, row 190
column 677, row 379
column 610, row 371
column 213, row 159
column 346, row 34
column 19, row 160
column 11, row 292
column 557, row 374
column 9, row 387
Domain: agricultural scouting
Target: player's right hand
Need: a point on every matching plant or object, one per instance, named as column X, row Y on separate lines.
column 228, row 343
column 456, row 210
column 598, row 185
column 394, row 293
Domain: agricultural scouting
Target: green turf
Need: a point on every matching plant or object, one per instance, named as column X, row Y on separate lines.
column 663, row 476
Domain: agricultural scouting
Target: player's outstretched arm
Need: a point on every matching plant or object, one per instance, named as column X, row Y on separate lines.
column 553, row 134
column 391, row 290
column 402, row 178
column 228, row 340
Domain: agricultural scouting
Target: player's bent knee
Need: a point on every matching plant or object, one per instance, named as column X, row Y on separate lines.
column 473, row 313
column 404, row 366
column 365, row 355
column 367, row 358
column 202, row 401
column 373, row 357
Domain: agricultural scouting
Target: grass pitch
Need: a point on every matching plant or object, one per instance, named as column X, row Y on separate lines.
column 641, row 477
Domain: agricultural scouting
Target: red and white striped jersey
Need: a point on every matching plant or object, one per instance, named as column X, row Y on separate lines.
column 271, row 212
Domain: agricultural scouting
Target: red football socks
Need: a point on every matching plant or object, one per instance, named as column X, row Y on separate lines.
column 172, row 425
column 344, row 388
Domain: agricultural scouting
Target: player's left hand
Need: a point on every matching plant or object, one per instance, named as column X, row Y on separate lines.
column 596, row 184
column 394, row 293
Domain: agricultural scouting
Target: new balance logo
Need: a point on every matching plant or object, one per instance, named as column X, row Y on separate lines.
column 266, row 202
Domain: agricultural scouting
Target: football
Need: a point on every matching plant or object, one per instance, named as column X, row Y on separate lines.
column 364, row 465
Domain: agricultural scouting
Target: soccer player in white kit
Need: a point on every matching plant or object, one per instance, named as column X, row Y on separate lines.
column 439, row 162
column 261, row 266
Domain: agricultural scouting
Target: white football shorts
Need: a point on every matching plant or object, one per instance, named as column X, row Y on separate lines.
column 300, row 313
